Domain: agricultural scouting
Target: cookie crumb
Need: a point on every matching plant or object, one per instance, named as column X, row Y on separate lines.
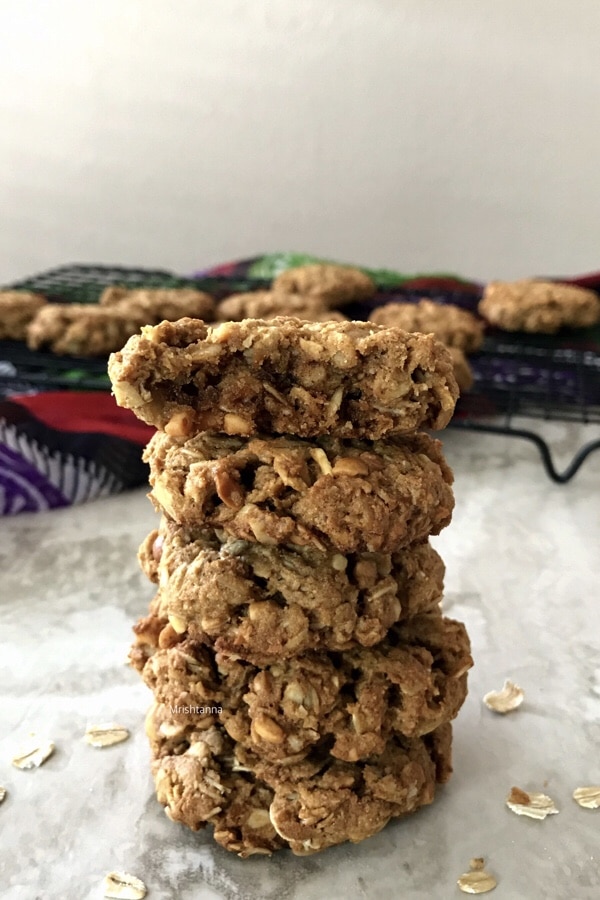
column 476, row 863
column 505, row 700
column 533, row 805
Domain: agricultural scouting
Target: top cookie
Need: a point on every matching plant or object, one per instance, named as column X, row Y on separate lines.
column 285, row 376
column 452, row 325
column 336, row 285
column 538, row 306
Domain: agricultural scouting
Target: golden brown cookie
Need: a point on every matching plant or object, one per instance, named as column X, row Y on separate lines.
column 538, row 306
column 285, row 376
column 269, row 304
column 346, row 496
column 157, row 304
column 353, row 702
column 202, row 777
column 462, row 370
column 78, row 329
column 454, row 326
column 335, row 285
column 17, row 309
column 265, row 604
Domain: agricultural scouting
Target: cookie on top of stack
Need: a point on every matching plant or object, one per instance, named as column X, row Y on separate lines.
column 304, row 677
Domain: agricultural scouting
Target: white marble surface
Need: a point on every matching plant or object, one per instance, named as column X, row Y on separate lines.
column 522, row 572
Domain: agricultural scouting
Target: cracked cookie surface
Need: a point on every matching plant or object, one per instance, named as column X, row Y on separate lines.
column 285, row 376
column 350, row 496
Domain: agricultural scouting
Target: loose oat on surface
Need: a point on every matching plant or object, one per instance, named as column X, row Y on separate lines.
column 285, row 376
column 105, row 735
column 122, row 886
column 588, row 797
column 34, row 752
column 3, row 793
column 533, row 805
column 505, row 700
column 476, row 882
column 346, row 496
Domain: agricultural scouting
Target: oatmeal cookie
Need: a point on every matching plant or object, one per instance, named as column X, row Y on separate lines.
column 17, row 309
column 353, row 702
column 201, row 777
column 285, row 376
column 78, row 329
column 270, row 304
column 335, row 285
column 264, row 604
column 157, row 304
column 462, row 370
column 198, row 784
column 346, row 496
column 454, row 326
column 538, row 306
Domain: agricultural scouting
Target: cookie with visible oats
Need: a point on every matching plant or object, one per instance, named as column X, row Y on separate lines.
column 454, row 326
column 264, row 604
column 538, row 306
column 269, row 304
column 285, row 376
column 78, row 329
column 407, row 685
column 157, row 304
column 202, row 777
column 17, row 309
column 335, row 285
column 340, row 496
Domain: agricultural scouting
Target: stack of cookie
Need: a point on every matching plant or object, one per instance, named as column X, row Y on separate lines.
column 304, row 678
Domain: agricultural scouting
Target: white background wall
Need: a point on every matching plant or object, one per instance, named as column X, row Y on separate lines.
column 424, row 135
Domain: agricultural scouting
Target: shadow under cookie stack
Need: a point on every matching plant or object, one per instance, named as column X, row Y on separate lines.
column 304, row 677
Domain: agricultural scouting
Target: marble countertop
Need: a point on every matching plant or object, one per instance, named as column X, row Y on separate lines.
column 522, row 572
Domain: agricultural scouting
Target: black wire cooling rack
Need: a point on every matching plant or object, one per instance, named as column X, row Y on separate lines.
column 517, row 377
